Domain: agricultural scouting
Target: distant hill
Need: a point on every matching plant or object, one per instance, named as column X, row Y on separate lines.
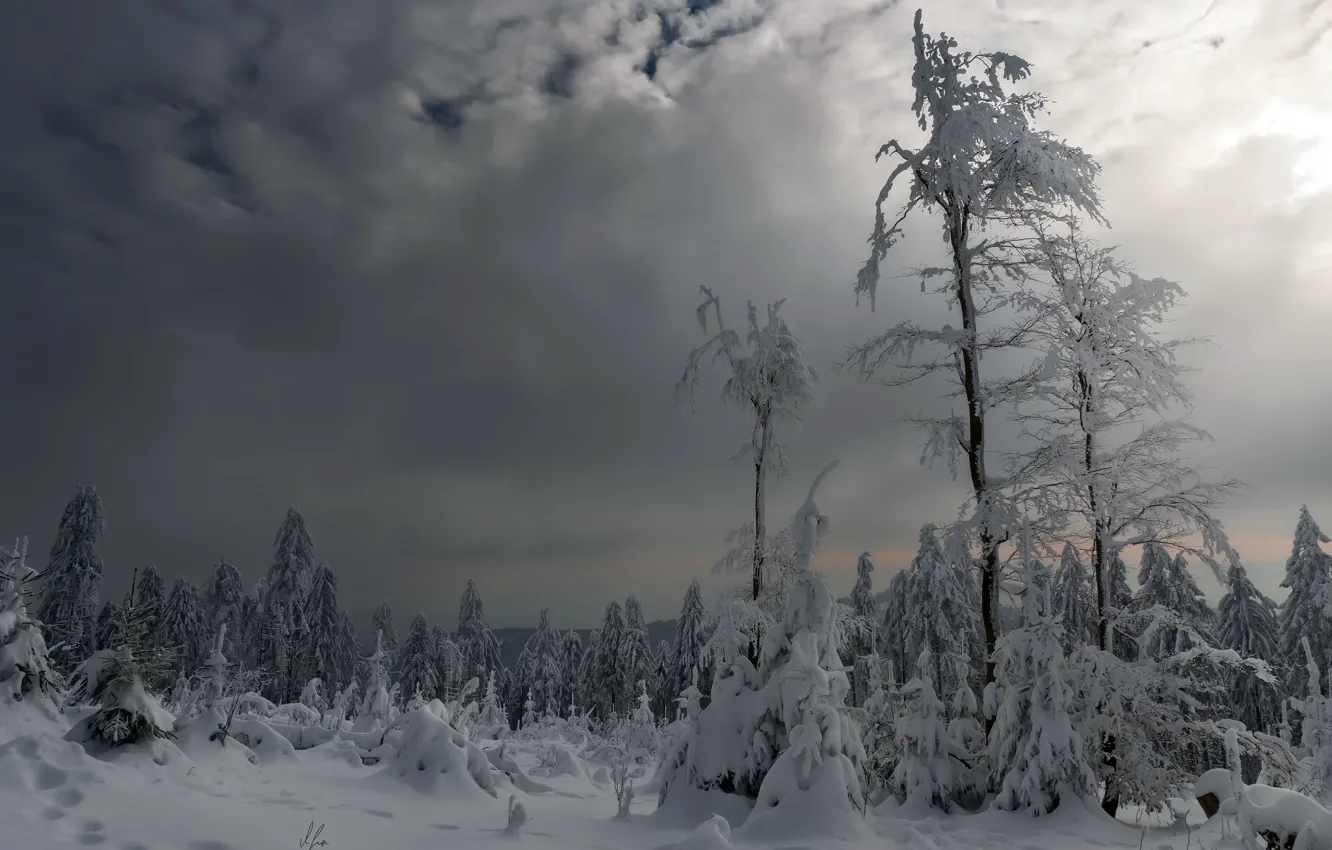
column 513, row 640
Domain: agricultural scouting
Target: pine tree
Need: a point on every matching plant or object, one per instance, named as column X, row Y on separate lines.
column 322, row 648
column 107, row 635
column 418, row 660
column 1074, row 601
column 1035, row 755
column 607, row 691
column 251, row 627
column 1246, row 623
column 348, row 654
column 1166, row 582
column 383, row 623
column 376, row 708
column 635, row 649
column 448, row 664
column 1305, row 611
column 224, row 604
column 479, row 647
column 938, row 613
column 73, row 581
column 570, row 659
column 25, row 666
column 152, row 596
column 691, row 635
column 892, row 635
column 928, row 770
column 182, row 627
column 662, row 677
column 272, row 652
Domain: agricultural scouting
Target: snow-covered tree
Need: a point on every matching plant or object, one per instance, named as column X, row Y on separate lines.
column 1316, row 735
column 479, row 647
column 321, row 653
column 529, row 718
column 635, row 649
column 113, row 680
column 107, row 623
column 152, row 597
column 312, row 695
column 571, row 658
column 1166, row 582
column 182, row 626
column 930, row 764
column 938, row 616
column 540, row 669
column 448, row 663
column 348, row 649
column 272, row 651
column 771, row 380
column 216, row 665
column 387, row 629
column 417, row 660
column 1246, row 623
column 292, row 571
column 1036, row 756
column 1074, row 600
column 892, row 635
column 25, row 667
column 72, row 582
column 691, row 635
column 376, row 707
column 1305, row 611
column 492, row 717
column 663, row 675
column 794, row 738
column 866, row 642
column 224, row 603
column 608, row 692
column 982, row 166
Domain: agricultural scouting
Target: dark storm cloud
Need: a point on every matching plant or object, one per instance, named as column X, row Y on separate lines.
column 426, row 270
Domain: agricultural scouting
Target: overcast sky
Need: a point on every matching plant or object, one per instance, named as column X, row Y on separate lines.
column 425, row 269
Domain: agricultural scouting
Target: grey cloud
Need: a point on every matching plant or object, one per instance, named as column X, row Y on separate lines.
column 427, row 270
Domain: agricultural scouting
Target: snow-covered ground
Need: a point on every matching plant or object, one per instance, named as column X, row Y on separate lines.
column 53, row 794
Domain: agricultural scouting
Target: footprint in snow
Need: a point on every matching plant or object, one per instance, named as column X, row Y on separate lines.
column 91, row 839
column 379, row 813
column 68, row 797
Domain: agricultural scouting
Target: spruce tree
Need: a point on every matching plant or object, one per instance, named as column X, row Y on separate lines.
column 478, row 645
column 571, row 656
column 376, row 707
column 151, row 596
column 25, row 666
column 418, row 660
column 1074, row 601
column 892, row 634
column 384, row 624
column 322, row 646
column 107, row 635
column 635, row 650
column 1305, row 612
column 224, row 604
column 1246, row 623
column 608, row 694
column 663, row 674
column 181, row 628
column 348, row 655
column 292, row 572
column 540, row 668
column 1166, row 582
column 449, row 678
column 866, row 609
column 938, row 613
column 73, row 581
column 691, row 635
column 272, row 652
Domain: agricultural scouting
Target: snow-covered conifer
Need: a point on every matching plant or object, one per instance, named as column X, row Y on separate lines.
column 25, row 668
column 152, row 596
column 272, row 652
column 107, row 622
column 635, row 649
column 1036, row 756
column 982, row 163
column 540, row 665
column 691, row 635
column 224, row 603
column 479, row 647
column 529, row 718
column 1166, row 582
column 1316, row 734
column 773, row 381
column 1246, row 623
column 72, row 581
column 292, row 571
column 892, row 635
column 322, row 649
column 571, row 657
column 929, row 767
column 217, row 669
column 448, row 662
column 608, row 691
column 182, row 626
column 417, row 660
column 387, row 629
column 492, row 717
column 312, row 695
column 937, row 617
column 1074, row 601
column 866, row 610
column 1305, row 611
column 663, row 675
column 113, row 680
column 376, row 706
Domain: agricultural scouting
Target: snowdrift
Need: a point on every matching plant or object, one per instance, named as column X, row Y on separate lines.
column 433, row 757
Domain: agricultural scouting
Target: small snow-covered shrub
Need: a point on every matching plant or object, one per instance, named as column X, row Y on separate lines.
column 25, row 670
column 517, row 817
column 433, row 756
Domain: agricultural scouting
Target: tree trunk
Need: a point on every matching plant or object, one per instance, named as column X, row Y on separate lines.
column 760, row 527
column 969, row 363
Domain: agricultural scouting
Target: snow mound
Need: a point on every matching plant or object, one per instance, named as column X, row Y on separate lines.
column 266, row 742
column 194, row 739
column 1286, row 813
column 812, row 805
column 338, row 750
column 687, row 806
column 45, row 763
column 713, row 834
column 516, row 776
column 30, row 716
column 434, row 757
column 568, row 764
